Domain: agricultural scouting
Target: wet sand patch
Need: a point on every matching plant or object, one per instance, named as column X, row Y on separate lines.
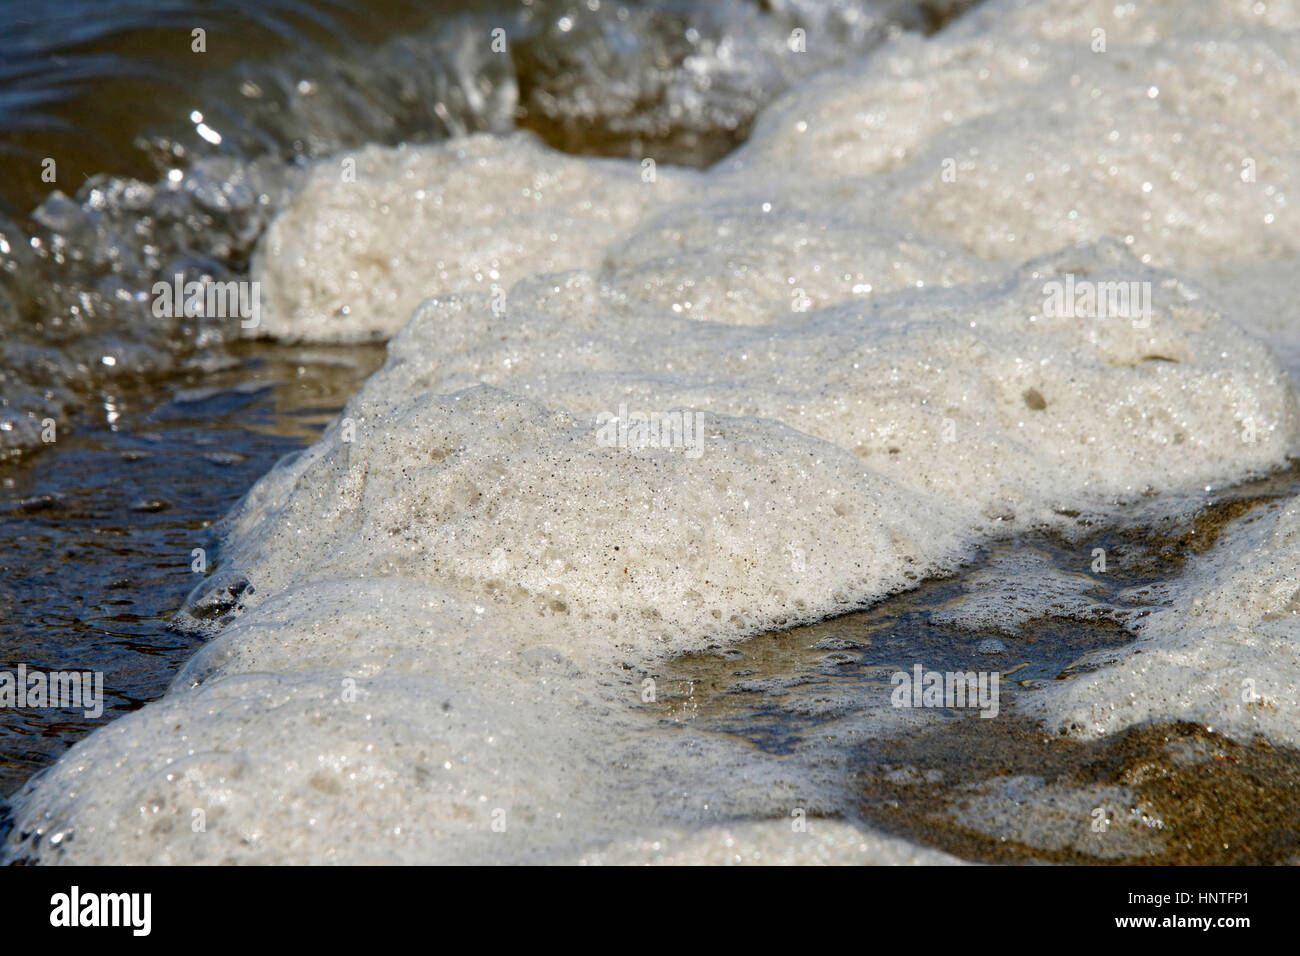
column 1006, row 789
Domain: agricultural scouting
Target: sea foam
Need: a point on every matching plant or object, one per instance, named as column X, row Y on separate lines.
column 442, row 617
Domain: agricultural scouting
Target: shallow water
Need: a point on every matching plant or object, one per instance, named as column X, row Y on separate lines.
column 791, row 693
column 780, row 688
column 97, row 532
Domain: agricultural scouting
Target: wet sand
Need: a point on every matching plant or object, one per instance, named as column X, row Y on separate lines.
column 1187, row 795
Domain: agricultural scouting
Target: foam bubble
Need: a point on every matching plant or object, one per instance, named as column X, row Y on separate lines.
column 601, row 548
column 373, row 232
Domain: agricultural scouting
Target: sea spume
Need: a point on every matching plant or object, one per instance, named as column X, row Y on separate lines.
column 452, row 602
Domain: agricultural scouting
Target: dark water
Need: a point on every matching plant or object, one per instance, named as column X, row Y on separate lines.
column 111, row 87
column 97, row 533
column 779, row 690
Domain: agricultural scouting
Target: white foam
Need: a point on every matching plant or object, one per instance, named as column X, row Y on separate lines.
column 604, row 550
column 880, row 385
column 1030, row 811
column 357, row 721
column 1225, row 653
column 372, row 232
column 1024, row 586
